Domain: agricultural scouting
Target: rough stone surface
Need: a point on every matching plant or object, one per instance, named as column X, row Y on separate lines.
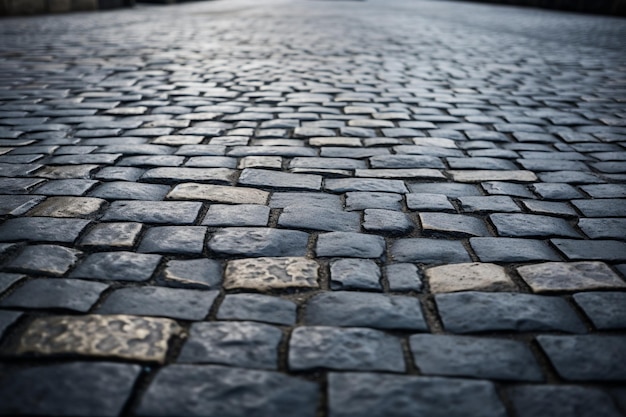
column 607, row 310
column 42, row 229
column 118, row 266
column 355, row 274
column 77, row 388
column 474, row 357
column 120, row 235
column 572, row 276
column 45, row 259
column 249, row 241
column 375, row 395
column 115, row 336
column 347, row 244
column 218, row 194
column 244, row 344
column 192, row 390
column 345, row 349
column 474, row 312
column 237, row 215
column 403, row 277
column 257, row 307
column 429, row 251
column 194, row 273
column 271, row 273
column 173, row 239
column 468, row 277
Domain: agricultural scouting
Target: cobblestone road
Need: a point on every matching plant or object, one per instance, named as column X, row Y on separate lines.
column 306, row 208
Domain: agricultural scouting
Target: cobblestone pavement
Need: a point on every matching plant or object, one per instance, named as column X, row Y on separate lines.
column 306, row 208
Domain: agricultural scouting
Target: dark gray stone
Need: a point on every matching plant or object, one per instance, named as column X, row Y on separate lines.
column 7, row 318
column 68, row 389
column 610, row 228
column 563, row 400
column 319, row 219
column 585, row 358
column 496, row 203
column 607, row 310
column 120, row 235
column 7, row 280
column 506, row 188
column 502, row 249
column 361, row 274
column 473, row 312
column 356, row 309
column 556, row 191
column 160, row 302
column 380, row 395
column 528, row 225
column 280, row 180
column 18, row 204
column 403, row 277
column 354, row 245
column 122, row 190
column 237, row 215
column 600, row 250
column 342, row 185
column 45, row 259
column 449, row 189
column 474, row 357
column 454, row 224
column 257, row 307
column 251, row 241
column 243, row 344
column 174, row 239
column 309, row 200
column 607, row 207
column 428, row 202
column 168, row 212
column 344, row 348
column 69, row 294
column 42, row 229
column 212, row 390
column 73, row 187
column 365, row 200
column 118, row 266
column 429, row 251
column 193, row 273
column 387, row 221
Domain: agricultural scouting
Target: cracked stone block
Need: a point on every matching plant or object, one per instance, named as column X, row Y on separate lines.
column 120, row 235
column 572, row 276
column 271, row 273
column 67, row 207
column 319, row 219
column 607, row 310
column 253, row 241
column 218, row 194
column 183, row 304
column 355, row 274
column 560, row 400
column 387, row 221
column 429, row 251
column 587, row 358
column 379, row 395
column 356, row 309
column 193, row 273
column 69, row 294
column 213, row 390
column 167, row 212
column 403, row 277
column 593, row 250
column 474, row 357
column 122, row 190
column 242, row 344
column 87, row 389
column 454, row 224
column 469, row 277
column 237, row 215
column 474, row 312
column 257, row 307
column 115, row 336
column 503, row 249
column 344, row 349
column 347, row 244
column 43, row 229
column 45, row 259
column 528, row 225
column 119, row 266
column 173, row 239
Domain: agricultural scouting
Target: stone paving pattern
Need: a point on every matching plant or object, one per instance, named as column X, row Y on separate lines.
column 304, row 208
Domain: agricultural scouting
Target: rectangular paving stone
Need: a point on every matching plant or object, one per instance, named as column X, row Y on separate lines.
column 569, row 276
column 45, row 259
column 193, row 273
column 403, row 277
column 449, row 189
column 180, row 304
column 257, row 307
column 475, row 312
column 212, row 390
column 380, row 395
column 113, row 336
column 367, row 200
column 306, row 199
column 496, row 203
column 587, row 358
column 118, row 266
column 503, row 249
column 77, row 388
column 428, row 202
column 281, row 180
column 593, row 250
column 163, row 212
column 469, row 277
column 344, row 349
column 242, row 344
column 42, row 229
column 342, row 185
column 429, row 251
column 356, row 309
column 602, row 207
column 474, row 357
column 68, row 207
column 607, row 228
column 173, row 175
column 174, row 240
column 606, row 310
column 452, row 224
column 237, row 215
column 218, row 194
column 529, row 225
column 348, row 244
column 319, row 219
column 349, row 273
column 259, row 241
column 16, row 205
column 120, row 235
column 271, row 273
column 127, row 190
column 492, row 175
